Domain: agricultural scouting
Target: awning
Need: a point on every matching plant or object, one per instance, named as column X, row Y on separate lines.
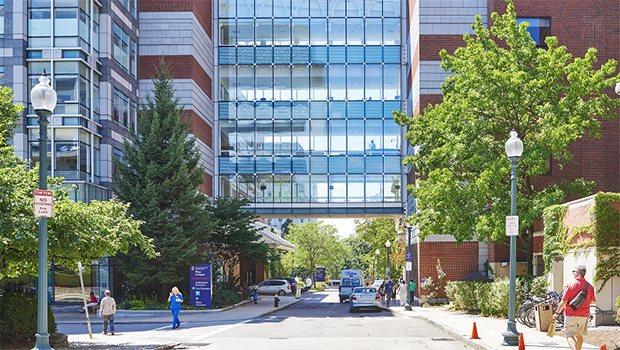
column 272, row 239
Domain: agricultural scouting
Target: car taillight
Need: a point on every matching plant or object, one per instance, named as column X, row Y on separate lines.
column 353, row 297
column 377, row 297
column 339, row 289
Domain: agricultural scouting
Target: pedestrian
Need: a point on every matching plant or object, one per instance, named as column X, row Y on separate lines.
column 382, row 292
column 402, row 292
column 175, row 300
column 412, row 287
column 389, row 291
column 93, row 302
column 308, row 282
column 254, row 294
column 108, row 310
column 576, row 321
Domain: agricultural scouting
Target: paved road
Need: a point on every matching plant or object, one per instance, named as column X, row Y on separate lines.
column 320, row 321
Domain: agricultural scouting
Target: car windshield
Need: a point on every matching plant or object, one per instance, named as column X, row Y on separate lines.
column 356, row 282
column 365, row 290
column 345, row 282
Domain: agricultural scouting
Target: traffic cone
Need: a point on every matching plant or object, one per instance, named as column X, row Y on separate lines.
column 604, row 347
column 474, row 332
column 521, row 342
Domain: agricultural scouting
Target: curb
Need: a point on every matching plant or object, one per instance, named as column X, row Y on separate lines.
column 458, row 336
column 280, row 308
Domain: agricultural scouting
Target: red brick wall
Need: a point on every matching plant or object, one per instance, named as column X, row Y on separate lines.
column 432, row 44
column 456, row 260
column 182, row 67
column 207, row 185
column 198, row 127
column 202, row 9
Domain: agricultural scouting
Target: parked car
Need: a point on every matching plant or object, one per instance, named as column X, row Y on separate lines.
column 333, row 283
column 290, row 280
column 364, row 298
column 274, row 286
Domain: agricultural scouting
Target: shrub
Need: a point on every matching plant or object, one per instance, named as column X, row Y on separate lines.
column 18, row 319
column 463, row 295
column 225, row 297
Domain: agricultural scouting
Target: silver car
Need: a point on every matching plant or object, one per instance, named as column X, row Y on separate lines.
column 274, row 286
column 364, row 298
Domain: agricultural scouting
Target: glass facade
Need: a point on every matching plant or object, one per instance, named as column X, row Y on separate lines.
column 306, row 92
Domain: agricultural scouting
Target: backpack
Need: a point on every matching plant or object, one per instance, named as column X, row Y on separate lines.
column 580, row 298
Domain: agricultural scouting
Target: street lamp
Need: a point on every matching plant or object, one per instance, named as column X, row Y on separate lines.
column 377, row 264
column 387, row 266
column 43, row 99
column 514, row 149
column 408, row 303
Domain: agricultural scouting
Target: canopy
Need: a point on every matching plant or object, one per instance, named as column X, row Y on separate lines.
column 271, row 239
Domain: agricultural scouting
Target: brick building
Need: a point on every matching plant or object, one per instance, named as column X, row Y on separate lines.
column 440, row 24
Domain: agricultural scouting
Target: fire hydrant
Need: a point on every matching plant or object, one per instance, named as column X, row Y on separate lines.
column 276, row 300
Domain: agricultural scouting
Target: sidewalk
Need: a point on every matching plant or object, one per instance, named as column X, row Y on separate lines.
column 490, row 330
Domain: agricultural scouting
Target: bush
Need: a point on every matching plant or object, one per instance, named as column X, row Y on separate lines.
column 18, row 319
column 226, row 297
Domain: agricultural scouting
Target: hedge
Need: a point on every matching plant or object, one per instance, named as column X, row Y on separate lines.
column 18, row 317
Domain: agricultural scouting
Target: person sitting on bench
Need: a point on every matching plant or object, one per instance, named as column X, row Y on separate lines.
column 93, row 302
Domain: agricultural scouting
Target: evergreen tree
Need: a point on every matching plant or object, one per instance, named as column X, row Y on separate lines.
column 159, row 178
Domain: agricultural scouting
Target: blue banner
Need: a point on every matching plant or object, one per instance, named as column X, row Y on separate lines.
column 320, row 274
column 200, row 286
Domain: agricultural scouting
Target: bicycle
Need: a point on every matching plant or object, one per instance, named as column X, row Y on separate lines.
column 595, row 317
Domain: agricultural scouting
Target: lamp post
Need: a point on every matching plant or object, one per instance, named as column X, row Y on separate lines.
column 408, row 303
column 514, row 149
column 387, row 266
column 43, row 99
column 377, row 264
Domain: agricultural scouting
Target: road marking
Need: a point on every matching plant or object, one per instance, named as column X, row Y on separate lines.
column 272, row 317
column 220, row 330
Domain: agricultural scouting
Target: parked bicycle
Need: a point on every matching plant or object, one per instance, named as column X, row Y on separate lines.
column 526, row 313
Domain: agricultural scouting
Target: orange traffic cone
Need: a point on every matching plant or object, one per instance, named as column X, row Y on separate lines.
column 474, row 332
column 521, row 342
column 604, row 347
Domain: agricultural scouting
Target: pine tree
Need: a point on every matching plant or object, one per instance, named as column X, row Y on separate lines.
column 159, row 177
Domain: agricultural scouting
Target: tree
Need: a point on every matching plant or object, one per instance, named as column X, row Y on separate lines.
column 77, row 231
column 317, row 244
column 376, row 232
column 357, row 256
column 502, row 81
column 285, row 228
column 159, row 179
column 234, row 237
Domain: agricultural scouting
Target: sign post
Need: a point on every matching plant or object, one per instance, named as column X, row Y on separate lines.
column 200, row 286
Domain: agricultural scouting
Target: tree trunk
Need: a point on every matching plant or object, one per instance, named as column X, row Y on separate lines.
column 530, row 249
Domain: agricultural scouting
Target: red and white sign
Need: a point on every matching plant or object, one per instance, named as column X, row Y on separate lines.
column 43, row 203
column 512, row 225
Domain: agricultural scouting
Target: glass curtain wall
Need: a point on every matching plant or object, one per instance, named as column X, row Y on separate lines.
column 306, row 94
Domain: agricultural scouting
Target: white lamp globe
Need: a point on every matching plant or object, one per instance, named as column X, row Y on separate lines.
column 388, row 244
column 514, row 146
column 42, row 95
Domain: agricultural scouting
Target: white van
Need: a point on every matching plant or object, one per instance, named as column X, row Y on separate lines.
column 348, row 281
column 332, row 283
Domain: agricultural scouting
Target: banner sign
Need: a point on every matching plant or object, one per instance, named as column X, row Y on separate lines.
column 200, row 286
column 320, row 274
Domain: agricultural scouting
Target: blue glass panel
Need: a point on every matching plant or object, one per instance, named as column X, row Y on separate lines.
column 300, row 30
column 355, row 165
column 301, row 137
column 228, row 185
column 355, row 137
column 301, row 54
column 391, row 132
column 228, row 110
column 319, row 136
column 246, row 165
column 355, row 82
column 301, row 110
column 282, row 137
column 264, row 110
column 318, row 110
column 373, row 82
column 391, row 31
column 282, row 189
column 301, row 187
column 264, row 55
column 282, row 32
column 319, row 188
column 355, row 54
column 282, row 165
column 245, row 110
column 337, row 188
column 228, row 165
column 318, row 31
column 264, row 165
column 282, row 54
column 263, row 7
column 388, row 107
column 391, row 8
column 374, row 109
column 337, row 82
column 282, row 110
column 245, row 8
column 355, row 188
column 301, row 165
column 300, row 8
column 245, row 32
column 245, row 55
column 319, row 165
column 336, row 31
column 392, row 164
column 374, row 164
column 391, row 81
column 227, row 55
column 355, row 8
column 228, row 8
column 337, row 165
column 282, row 8
column 337, row 54
column 336, row 8
column 374, row 137
column 355, row 31
column 391, row 185
column 264, row 32
column 374, row 54
column 373, row 8
column 264, row 137
column 318, row 8
column 391, row 54
column 264, row 188
column 374, row 188
column 355, row 109
column 374, row 31
column 318, row 54
column 337, row 110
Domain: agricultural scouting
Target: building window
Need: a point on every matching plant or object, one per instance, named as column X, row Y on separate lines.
column 540, row 29
column 1, row 73
column 121, row 47
column 2, row 19
column 124, row 110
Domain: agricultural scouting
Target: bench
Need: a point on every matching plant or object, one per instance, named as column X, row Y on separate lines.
column 93, row 309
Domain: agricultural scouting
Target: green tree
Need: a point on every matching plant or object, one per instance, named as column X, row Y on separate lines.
column 285, row 228
column 76, row 232
column 502, row 81
column 376, row 232
column 159, row 178
column 234, row 236
column 317, row 244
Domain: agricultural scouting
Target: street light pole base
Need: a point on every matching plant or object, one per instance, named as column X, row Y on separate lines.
column 43, row 342
column 407, row 306
column 511, row 336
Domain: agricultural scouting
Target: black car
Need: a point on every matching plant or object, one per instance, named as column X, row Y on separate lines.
column 290, row 280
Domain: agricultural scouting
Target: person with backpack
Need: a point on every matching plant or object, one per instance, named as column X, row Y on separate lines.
column 578, row 296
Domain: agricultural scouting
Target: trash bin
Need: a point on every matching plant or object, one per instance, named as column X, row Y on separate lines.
column 544, row 316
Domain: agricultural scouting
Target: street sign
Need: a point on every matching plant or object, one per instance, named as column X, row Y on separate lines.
column 43, row 203
column 408, row 256
column 409, row 266
column 512, row 225
column 200, row 286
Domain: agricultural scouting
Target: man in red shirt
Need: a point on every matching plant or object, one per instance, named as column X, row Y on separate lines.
column 576, row 321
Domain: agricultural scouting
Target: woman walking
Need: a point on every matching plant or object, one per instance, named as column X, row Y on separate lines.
column 402, row 292
column 175, row 300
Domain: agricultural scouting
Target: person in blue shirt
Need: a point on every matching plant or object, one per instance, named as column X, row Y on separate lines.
column 389, row 289
column 175, row 300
